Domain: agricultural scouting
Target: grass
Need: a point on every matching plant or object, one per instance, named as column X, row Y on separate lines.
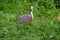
column 43, row 27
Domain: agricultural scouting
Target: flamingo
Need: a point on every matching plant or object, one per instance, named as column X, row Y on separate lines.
column 25, row 19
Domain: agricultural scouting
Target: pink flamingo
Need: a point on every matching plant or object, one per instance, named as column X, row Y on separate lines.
column 25, row 19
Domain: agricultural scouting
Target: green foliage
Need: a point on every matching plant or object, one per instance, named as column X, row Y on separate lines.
column 43, row 27
column 57, row 3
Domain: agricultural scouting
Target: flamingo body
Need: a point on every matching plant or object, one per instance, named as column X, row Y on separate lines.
column 26, row 18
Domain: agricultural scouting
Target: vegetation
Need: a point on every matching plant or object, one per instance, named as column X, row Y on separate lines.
column 44, row 26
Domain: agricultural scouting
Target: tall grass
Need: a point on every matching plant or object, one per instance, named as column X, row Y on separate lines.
column 43, row 27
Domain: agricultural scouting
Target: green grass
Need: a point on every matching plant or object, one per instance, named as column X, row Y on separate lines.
column 43, row 27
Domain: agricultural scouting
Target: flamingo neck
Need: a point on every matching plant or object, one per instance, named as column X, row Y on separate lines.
column 31, row 14
column 31, row 11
